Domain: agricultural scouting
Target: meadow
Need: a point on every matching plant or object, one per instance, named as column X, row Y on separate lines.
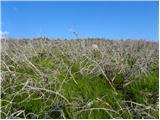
column 80, row 79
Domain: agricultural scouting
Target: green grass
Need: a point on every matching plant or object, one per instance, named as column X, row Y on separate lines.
column 81, row 94
column 145, row 88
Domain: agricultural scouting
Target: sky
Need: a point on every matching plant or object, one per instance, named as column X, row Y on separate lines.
column 113, row 20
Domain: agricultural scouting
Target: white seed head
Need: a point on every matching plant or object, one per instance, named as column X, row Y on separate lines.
column 94, row 46
column 89, row 104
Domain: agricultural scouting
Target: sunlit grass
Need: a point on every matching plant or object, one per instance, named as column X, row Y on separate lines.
column 59, row 79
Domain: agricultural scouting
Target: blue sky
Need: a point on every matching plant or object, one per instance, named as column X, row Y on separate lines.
column 114, row 20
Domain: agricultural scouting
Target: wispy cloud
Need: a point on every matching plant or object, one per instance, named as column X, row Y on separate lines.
column 2, row 34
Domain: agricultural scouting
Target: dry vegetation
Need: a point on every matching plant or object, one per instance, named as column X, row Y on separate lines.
column 44, row 78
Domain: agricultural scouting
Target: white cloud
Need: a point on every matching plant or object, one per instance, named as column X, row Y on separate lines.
column 3, row 34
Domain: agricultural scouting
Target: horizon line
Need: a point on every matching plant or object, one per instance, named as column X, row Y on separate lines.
column 44, row 37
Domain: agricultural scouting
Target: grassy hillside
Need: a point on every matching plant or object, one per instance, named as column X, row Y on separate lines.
column 89, row 78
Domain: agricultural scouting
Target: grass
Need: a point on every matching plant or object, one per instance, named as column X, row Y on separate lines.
column 60, row 79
